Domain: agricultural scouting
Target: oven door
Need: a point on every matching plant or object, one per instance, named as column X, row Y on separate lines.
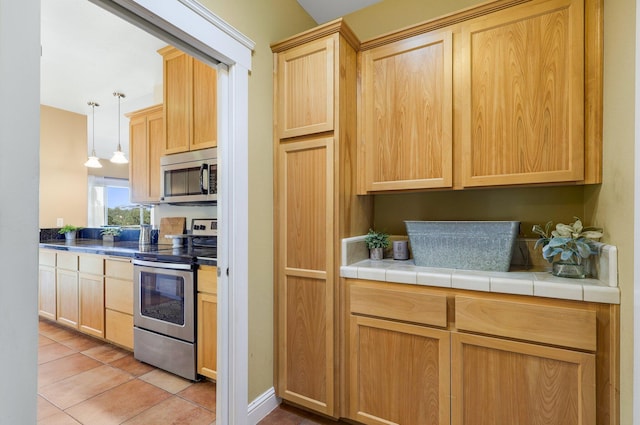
column 164, row 299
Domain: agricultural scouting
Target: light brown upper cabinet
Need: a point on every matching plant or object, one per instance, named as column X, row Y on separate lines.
column 190, row 99
column 406, row 122
column 146, row 140
column 506, row 93
column 307, row 69
column 522, row 95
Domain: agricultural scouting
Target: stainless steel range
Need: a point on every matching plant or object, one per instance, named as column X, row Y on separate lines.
column 165, row 300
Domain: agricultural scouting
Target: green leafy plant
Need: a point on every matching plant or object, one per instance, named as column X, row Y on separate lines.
column 375, row 239
column 111, row 231
column 68, row 228
column 571, row 241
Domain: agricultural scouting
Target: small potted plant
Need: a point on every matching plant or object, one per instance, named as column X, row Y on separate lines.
column 376, row 242
column 69, row 231
column 111, row 234
column 572, row 242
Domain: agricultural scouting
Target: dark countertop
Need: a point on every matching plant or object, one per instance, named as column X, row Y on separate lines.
column 95, row 246
column 118, row 249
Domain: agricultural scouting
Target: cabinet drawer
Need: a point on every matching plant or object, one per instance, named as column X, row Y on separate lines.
column 91, row 263
column 121, row 269
column 67, row 261
column 119, row 328
column 547, row 324
column 208, row 279
column 47, row 258
column 118, row 295
column 400, row 303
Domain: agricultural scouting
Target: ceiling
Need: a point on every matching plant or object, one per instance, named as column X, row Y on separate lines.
column 89, row 53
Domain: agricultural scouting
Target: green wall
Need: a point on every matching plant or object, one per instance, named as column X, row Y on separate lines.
column 264, row 22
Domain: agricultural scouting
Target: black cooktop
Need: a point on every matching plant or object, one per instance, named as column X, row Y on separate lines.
column 201, row 248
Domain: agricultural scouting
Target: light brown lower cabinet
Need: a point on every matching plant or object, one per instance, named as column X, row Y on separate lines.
column 496, row 381
column 425, row 355
column 207, row 322
column 399, row 373
column 47, row 284
column 118, row 301
column 91, row 294
column 67, row 289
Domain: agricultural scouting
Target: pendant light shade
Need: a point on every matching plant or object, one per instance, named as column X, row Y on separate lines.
column 118, row 156
column 93, row 161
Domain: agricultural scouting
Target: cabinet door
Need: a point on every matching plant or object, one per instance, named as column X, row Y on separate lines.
column 207, row 334
column 205, row 99
column 522, row 97
column 146, row 143
column 119, row 328
column 305, row 276
column 498, row 381
column 67, row 297
column 177, row 101
column 406, row 121
column 47, row 291
column 305, row 88
column 399, row 373
column 138, row 165
column 91, row 303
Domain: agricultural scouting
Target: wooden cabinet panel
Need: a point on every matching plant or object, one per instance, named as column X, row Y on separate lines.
column 306, row 69
column 505, row 382
column 119, row 328
column 406, row 118
column 91, row 263
column 177, row 74
column 205, row 100
column 523, row 95
column 307, row 355
column 120, row 268
column 67, row 296
column 306, row 184
column 119, row 295
column 91, row 301
column 190, row 102
column 67, row 261
column 208, row 279
column 207, row 334
column 531, row 321
column 398, row 302
column 146, row 143
column 47, row 257
column 47, row 291
column 399, row 373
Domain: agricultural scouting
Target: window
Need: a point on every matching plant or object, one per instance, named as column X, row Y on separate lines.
column 109, row 204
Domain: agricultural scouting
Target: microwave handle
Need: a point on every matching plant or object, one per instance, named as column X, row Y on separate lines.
column 204, row 178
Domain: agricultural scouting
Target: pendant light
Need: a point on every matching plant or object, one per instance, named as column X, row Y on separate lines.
column 93, row 161
column 118, row 156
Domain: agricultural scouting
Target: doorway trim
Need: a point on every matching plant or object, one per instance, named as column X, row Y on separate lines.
column 193, row 28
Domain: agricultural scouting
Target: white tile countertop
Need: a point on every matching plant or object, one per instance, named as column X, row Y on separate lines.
column 535, row 281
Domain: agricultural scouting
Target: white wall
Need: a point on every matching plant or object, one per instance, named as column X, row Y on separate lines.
column 19, row 176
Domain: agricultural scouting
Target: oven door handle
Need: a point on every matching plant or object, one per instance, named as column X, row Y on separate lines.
column 161, row 265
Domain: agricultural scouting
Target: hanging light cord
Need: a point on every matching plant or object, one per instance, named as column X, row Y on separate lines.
column 120, row 96
column 93, row 130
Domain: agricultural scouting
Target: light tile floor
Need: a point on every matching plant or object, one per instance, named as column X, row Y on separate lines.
column 82, row 380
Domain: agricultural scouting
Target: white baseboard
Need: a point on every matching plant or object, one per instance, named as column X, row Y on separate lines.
column 263, row 405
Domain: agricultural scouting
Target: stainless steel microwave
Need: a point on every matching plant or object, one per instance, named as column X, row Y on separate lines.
column 189, row 177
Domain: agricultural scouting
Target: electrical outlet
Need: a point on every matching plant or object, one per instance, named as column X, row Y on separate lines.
column 59, row 222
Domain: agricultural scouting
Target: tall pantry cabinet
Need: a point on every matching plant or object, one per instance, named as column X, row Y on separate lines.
column 315, row 206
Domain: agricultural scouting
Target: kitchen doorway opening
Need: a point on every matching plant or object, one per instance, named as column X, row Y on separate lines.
column 195, row 30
